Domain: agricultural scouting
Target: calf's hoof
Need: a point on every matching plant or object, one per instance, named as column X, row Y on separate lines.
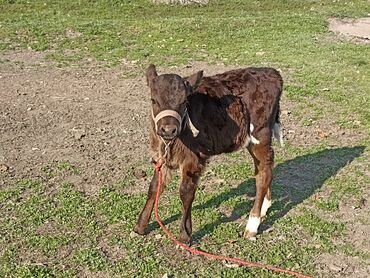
column 249, row 235
column 252, row 227
column 184, row 238
column 139, row 230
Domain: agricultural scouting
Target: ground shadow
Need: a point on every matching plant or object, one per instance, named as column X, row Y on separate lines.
column 294, row 181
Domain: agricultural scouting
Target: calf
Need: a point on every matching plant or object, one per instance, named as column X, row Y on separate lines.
column 196, row 117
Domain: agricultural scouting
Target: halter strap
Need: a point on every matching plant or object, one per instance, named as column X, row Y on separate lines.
column 167, row 113
column 174, row 114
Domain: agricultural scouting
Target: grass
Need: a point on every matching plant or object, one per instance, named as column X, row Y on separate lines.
column 290, row 35
column 59, row 234
column 51, row 169
column 65, row 232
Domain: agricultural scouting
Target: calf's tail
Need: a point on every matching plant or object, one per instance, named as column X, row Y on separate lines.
column 277, row 132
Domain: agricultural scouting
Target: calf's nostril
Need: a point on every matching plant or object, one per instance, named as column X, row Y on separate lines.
column 168, row 131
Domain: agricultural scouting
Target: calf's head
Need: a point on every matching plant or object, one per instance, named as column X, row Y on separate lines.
column 169, row 93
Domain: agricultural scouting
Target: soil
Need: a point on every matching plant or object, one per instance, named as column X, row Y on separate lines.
column 355, row 28
column 95, row 118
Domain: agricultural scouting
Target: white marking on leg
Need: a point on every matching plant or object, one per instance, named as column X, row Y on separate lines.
column 265, row 206
column 252, row 225
column 252, row 139
column 278, row 134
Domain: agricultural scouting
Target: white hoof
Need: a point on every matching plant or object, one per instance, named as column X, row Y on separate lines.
column 252, row 226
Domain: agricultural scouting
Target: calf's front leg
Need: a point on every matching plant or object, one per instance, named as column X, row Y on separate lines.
column 145, row 214
column 189, row 180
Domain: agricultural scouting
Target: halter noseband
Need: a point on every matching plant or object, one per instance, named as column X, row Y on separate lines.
column 174, row 114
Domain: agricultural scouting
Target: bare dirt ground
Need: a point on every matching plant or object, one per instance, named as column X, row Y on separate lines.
column 355, row 28
column 89, row 117
column 94, row 118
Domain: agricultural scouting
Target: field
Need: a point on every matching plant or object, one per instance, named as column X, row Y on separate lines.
column 74, row 159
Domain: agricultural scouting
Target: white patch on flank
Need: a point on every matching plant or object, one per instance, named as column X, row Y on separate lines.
column 278, row 134
column 265, row 206
column 253, row 223
column 254, row 140
column 251, row 138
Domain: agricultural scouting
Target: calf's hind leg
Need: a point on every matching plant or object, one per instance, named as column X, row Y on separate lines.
column 263, row 156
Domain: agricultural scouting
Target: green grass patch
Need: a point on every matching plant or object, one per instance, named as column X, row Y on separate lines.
column 66, row 232
column 92, row 258
column 59, row 167
column 48, row 244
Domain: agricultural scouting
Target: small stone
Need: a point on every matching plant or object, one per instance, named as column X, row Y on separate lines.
column 133, row 234
column 35, row 149
column 78, row 134
column 335, row 268
column 231, row 265
column 253, row 238
column 158, row 236
column 269, row 230
column 29, row 108
column 285, row 112
column 3, row 167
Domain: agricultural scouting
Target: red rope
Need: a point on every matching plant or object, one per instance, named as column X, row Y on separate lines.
column 208, row 255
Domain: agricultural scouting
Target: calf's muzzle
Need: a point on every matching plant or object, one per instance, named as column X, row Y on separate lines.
column 169, row 129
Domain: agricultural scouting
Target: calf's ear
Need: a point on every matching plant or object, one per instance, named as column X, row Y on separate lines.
column 151, row 73
column 195, row 79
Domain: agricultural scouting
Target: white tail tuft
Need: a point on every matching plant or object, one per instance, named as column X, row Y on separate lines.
column 278, row 134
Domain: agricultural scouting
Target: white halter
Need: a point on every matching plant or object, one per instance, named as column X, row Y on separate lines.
column 174, row 114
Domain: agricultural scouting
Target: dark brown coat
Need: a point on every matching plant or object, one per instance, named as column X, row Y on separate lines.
column 222, row 108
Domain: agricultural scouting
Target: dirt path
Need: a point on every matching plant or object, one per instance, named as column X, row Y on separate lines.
column 357, row 28
column 89, row 117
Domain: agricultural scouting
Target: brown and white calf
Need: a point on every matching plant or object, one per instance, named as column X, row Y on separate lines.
column 197, row 117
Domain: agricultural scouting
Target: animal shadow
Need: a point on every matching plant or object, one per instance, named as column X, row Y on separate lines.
column 294, row 181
